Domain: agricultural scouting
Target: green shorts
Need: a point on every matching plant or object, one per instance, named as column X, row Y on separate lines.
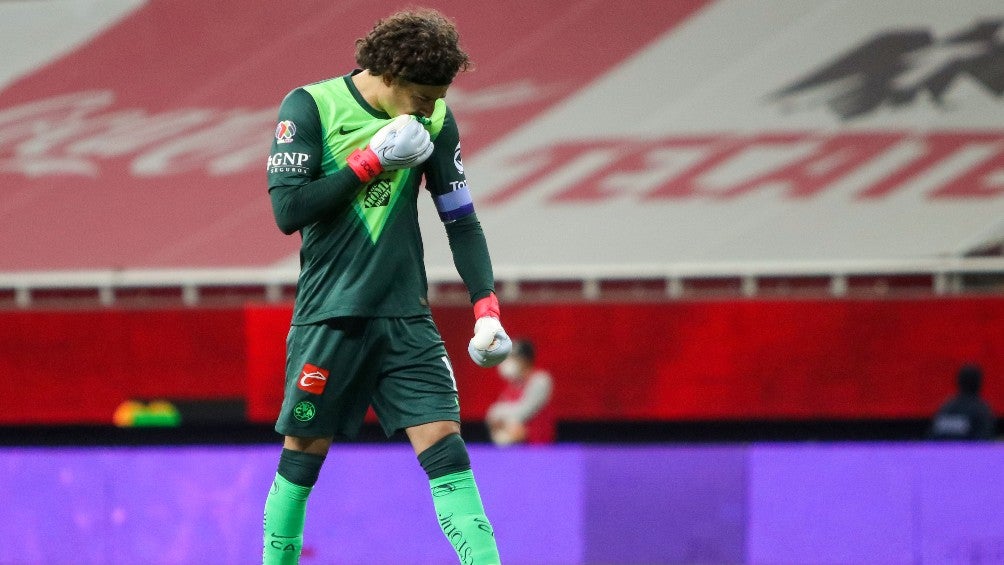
column 337, row 368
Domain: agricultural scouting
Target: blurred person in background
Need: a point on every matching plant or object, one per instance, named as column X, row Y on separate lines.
column 522, row 413
column 965, row 416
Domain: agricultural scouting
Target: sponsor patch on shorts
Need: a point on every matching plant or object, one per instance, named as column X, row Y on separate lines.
column 312, row 379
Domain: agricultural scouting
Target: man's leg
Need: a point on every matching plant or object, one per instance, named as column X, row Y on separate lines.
column 326, row 394
column 461, row 516
column 286, row 505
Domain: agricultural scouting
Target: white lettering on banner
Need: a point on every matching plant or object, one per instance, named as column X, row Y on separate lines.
column 237, row 132
column 796, row 166
column 72, row 133
column 28, row 131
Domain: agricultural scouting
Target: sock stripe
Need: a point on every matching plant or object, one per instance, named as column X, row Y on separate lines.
column 446, row 456
column 299, row 467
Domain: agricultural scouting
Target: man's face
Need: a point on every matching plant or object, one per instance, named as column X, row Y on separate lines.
column 403, row 97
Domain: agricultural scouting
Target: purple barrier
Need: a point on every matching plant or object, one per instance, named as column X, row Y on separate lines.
column 204, row 505
column 762, row 504
column 665, row 505
column 889, row 504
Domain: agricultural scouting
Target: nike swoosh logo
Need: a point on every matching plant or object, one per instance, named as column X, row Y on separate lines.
column 343, row 131
column 275, row 535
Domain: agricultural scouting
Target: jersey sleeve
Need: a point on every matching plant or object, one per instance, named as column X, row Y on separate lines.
column 444, row 174
column 298, row 147
column 300, row 194
column 445, row 180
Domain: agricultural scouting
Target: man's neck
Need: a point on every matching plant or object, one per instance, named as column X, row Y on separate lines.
column 369, row 86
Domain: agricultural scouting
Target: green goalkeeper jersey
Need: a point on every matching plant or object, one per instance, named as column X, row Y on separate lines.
column 361, row 251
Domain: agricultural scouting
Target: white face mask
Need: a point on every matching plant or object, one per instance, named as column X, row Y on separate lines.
column 509, row 369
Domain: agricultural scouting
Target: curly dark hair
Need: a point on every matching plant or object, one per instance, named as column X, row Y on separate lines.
column 420, row 46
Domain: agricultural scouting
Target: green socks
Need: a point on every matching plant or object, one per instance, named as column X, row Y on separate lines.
column 285, row 511
column 454, row 494
column 458, row 503
column 286, row 507
column 463, row 520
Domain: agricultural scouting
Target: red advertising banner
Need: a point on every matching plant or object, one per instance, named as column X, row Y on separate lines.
column 146, row 146
column 728, row 360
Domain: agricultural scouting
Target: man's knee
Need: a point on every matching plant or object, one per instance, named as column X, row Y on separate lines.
column 313, row 445
column 424, row 436
column 446, row 456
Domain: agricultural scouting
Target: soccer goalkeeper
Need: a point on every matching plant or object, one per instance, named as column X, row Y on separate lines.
column 348, row 156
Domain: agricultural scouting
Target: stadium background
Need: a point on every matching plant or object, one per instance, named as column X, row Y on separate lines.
column 753, row 242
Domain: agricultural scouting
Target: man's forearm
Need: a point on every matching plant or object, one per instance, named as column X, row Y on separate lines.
column 295, row 207
column 470, row 255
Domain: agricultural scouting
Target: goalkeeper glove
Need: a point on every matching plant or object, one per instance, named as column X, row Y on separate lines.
column 490, row 344
column 401, row 144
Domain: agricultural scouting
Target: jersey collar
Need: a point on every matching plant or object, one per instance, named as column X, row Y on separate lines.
column 359, row 97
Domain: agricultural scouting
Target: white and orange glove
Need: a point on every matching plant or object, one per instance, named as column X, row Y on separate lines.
column 401, row 144
column 490, row 344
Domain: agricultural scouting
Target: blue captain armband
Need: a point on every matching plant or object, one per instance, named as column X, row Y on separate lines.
column 454, row 205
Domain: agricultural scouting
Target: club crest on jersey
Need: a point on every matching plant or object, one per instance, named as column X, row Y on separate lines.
column 312, row 379
column 284, row 131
